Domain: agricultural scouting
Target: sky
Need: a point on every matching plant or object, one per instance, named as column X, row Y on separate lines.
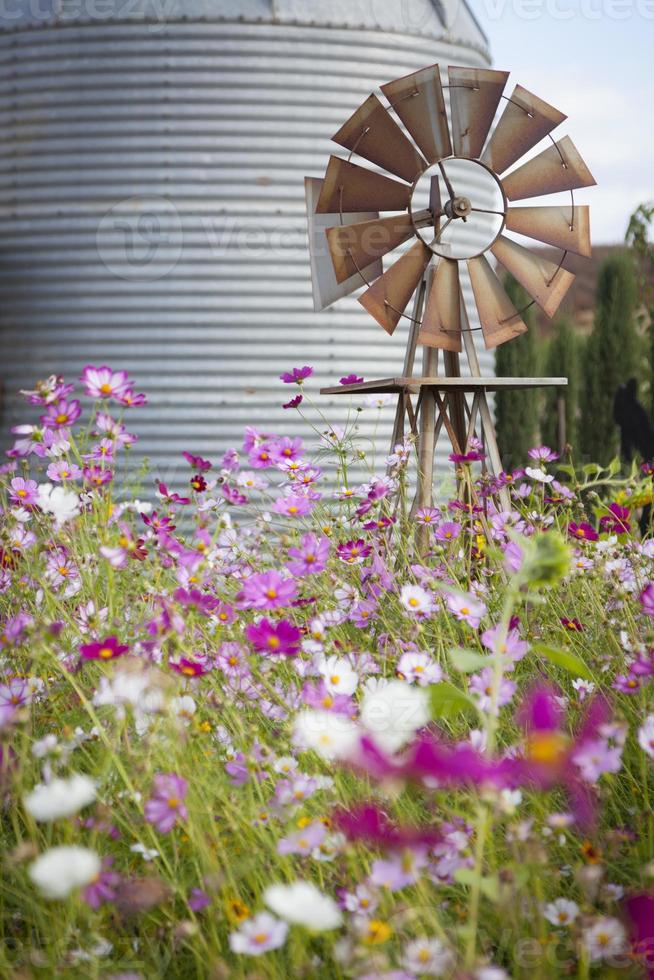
column 593, row 60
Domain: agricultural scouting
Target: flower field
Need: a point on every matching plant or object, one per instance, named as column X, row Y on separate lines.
column 274, row 723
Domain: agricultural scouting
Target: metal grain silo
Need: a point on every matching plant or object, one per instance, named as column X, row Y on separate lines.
column 152, row 198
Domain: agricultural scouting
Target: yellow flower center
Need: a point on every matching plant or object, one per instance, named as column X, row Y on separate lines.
column 105, row 389
column 547, row 748
column 106, row 653
column 61, row 418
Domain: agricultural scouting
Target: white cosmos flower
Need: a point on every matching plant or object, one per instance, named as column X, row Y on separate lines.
column 561, row 912
column 394, row 712
column 60, row 798
column 538, row 474
column 61, row 503
column 646, row 736
column 338, row 675
column 605, row 938
column 416, row 600
column 303, row 904
column 428, row 956
column 59, row 871
column 331, row 735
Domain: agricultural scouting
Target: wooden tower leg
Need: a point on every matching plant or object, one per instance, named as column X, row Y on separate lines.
column 410, row 356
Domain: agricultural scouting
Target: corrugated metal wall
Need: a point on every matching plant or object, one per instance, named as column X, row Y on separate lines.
column 152, row 214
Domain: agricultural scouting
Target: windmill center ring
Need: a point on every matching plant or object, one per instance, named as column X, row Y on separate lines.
column 452, row 224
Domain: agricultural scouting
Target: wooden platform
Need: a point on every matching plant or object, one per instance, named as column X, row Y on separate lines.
column 443, row 384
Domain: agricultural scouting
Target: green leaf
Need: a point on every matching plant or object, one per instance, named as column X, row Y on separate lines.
column 591, row 469
column 447, row 701
column 489, row 885
column 564, row 658
column 467, row 661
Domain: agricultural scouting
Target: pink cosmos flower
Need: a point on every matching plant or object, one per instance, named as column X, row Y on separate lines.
column 293, row 505
column 481, row 686
column 262, row 456
column 170, row 497
column 616, row 521
column 103, row 888
column 647, row 599
column 259, row 935
column 232, row 660
column 350, row 379
column 23, row 491
column 15, row 693
column 60, row 470
column 582, row 531
column 474, row 456
column 366, row 822
column 428, row 515
column 266, row 590
column 97, row 476
column 513, row 649
column 311, row 557
column 303, row 841
column 130, row 400
column 286, row 449
column 103, row 451
column 62, row 413
column 198, row 900
column 197, row 462
column 277, row 638
column 294, row 402
column 448, row 531
column 166, row 805
column 353, row 552
column 188, row 667
column 102, row 382
column 543, row 453
column 466, row 608
column 107, row 649
column 297, row 376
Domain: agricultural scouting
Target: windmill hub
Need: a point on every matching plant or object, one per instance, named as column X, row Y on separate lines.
column 458, row 207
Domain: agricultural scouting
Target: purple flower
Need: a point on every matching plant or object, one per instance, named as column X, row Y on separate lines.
column 350, row 379
column 198, row 900
column 297, row 375
column 293, row 505
column 427, row 515
column 448, row 531
column 582, row 531
column 103, row 888
column 23, row 491
column 303, row 841
column 294, row 402
column 107, row 649
column 62, row 413
column 61, row 470
column 197, row 462
column 466, row 608
column 353, row 552
column 311, row 557
column 543, row 453
column 277, row 638
column 166, row 805
column 267, row 590
column 616, row 521
column 647, row 599
column 481, row 686
column 258, row 935
column 15, row 693
column 102, row 382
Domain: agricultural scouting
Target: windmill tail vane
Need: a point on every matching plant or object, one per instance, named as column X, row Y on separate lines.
column 424, row 152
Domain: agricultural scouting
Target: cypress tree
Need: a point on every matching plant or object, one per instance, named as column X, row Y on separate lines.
column 610, row 358
column 516, row 412
column 562, row 361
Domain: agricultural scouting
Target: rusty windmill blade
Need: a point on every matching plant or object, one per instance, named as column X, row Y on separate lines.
column 475, row 94
column 524, row 122
column 441, row 322
column 545, row 282
column 326, row 290
column 354, row 246
column 418, row 101
column 500, row 321
column 373, row 133
column 564, row 227
column 348, row 187
column 558, row 168
column 389, row 296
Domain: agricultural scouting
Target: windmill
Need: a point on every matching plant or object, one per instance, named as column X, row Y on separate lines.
column 364, row 215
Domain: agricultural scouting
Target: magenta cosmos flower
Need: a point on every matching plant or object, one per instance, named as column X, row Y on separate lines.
column 279, row 638
column 647, row 599
column 107, row 649
column 297, row 375
column 350, row 379
column 102, row 382
column 583, row 531
column 61, row 414
column 166, row 805
column 23, row 491
column 294, row 402
column 266, row 590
